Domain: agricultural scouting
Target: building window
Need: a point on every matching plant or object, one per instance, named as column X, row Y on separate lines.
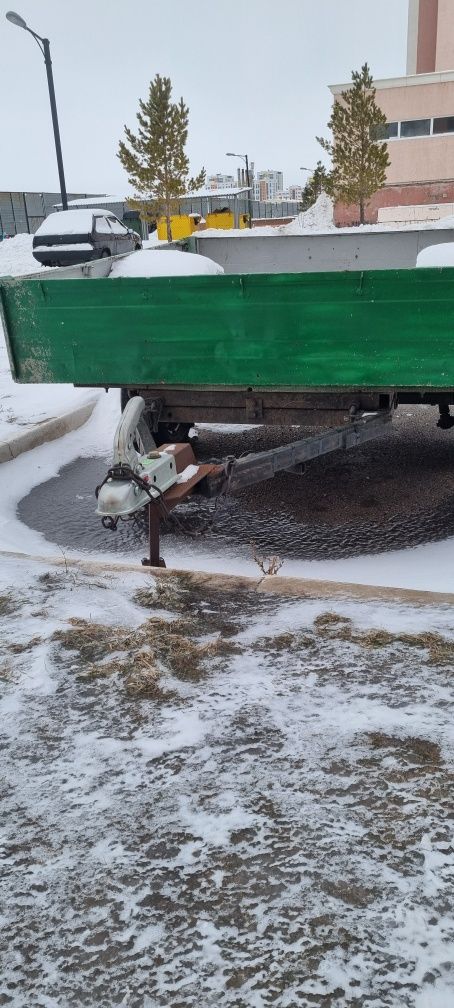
column 415, row 128
column 444, row 125
column 387, row 132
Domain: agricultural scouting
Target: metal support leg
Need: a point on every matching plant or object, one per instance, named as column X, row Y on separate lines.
column 153, row 559
column 446, row 421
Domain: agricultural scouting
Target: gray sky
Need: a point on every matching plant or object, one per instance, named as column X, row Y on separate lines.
column 254, row 75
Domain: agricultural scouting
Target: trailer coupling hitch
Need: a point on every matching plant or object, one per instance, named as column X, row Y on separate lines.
column 139, row 474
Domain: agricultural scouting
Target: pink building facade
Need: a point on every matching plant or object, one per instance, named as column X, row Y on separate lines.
column 420, row 112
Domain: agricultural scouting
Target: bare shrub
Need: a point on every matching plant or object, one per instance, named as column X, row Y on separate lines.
column 268, row 565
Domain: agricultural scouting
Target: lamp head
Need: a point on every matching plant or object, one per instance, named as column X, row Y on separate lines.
column 16, row 19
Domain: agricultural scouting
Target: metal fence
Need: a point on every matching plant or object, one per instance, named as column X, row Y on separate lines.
column 24, row 212
column 260, row 210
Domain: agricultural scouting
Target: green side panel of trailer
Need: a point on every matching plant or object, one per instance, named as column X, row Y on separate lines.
column 295, row 331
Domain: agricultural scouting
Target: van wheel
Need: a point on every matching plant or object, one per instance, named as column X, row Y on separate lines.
column 137, row 248
column 105, row 254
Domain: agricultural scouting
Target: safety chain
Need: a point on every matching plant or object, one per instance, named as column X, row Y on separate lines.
column 124, row 473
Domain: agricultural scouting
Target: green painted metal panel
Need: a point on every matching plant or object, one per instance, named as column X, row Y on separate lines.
column 296, row 331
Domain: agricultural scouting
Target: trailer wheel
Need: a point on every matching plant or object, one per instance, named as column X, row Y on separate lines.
column 167, row 433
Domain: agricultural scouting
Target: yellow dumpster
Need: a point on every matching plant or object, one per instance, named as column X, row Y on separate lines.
column 182, row 226
column 220, row 219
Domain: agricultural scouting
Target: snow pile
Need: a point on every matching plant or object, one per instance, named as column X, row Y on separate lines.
column 16, row 256
column 436, row 255
column 188, row 473
column 70, row 222
column 22, row 406
column 319, row 217
column 150, row 263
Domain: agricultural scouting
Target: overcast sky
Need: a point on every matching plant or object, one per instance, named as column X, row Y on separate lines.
column 254, row 73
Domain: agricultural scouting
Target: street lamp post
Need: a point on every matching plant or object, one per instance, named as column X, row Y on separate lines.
column 245, row 158
column 44, row 45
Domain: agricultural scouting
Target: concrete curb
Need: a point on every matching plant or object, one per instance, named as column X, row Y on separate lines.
column 283, row 587
column 49, row 430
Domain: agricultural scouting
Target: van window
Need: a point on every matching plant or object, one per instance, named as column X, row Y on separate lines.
column 102, row 226
column 116, row 226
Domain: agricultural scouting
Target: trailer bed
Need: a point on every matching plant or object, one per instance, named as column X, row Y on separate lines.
column 376, row 330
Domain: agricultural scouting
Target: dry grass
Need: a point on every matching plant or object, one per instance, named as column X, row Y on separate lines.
column 93, row 641
column 184, row 657
column 144, row 679
column 169, row 594
column 333, row 627
column 22, row 647
column 286, row 641
column 6, row 671
column 137, row 654
column 441, row 650
column 415, row 750
column 331, row 619
column 8, row 605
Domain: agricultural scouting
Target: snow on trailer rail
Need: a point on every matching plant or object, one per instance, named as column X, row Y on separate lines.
column 322, row 349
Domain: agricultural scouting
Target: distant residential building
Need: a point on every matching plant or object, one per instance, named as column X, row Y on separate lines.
column 221, row 182
column 267, row 184
column 292, row 194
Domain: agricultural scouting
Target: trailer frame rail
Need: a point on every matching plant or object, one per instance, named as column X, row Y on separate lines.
column 254, row 468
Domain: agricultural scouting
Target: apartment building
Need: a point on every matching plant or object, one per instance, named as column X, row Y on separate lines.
column 420, row 112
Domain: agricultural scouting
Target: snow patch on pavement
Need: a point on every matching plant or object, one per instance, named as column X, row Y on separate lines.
column 22, row 474
column 276, row 829
column 16, row 256
column 23, row 406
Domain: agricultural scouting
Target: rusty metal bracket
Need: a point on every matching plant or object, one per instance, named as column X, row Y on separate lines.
column 153, row 412
column 154, row 528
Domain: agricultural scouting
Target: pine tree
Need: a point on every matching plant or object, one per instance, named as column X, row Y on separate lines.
column 154, row 158
column 315, row 185
column 359, row 159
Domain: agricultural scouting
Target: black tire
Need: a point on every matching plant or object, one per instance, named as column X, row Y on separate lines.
column 137, row 248
column 106, row 253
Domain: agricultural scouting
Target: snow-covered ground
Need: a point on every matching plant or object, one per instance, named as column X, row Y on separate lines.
column 247, row 804
column 23, row 406
column 16, row 256
column 215, row 798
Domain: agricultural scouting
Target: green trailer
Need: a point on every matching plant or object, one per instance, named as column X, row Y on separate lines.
column 266, row 348
column 307, row 349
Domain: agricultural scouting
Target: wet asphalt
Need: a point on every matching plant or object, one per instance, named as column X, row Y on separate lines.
column 395, row 492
